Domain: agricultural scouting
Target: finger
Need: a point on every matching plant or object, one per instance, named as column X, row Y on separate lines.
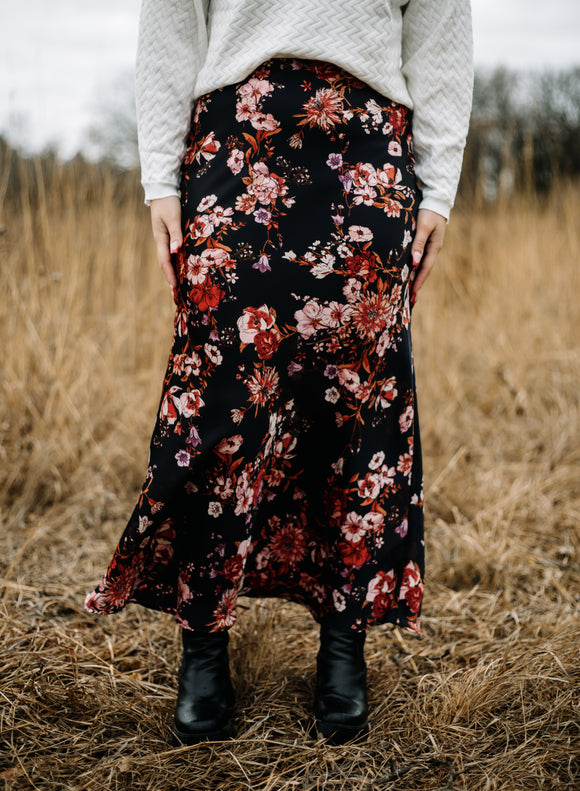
column 162, row 242
column 419, row 242
column 427, row 263
column 175, row 235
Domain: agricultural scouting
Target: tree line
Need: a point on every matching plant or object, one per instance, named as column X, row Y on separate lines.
column 524, row 135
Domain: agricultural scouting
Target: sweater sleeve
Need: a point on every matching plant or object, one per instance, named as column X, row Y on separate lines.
column 437, row 63
column 171, row 48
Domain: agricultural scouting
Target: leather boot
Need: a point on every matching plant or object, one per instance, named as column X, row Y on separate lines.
column 340, row 703
column 205, row 692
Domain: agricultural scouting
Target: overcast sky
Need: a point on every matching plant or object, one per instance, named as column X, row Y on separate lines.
column 60, row 60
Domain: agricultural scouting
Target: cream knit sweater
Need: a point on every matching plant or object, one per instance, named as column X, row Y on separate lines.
column 416, row 52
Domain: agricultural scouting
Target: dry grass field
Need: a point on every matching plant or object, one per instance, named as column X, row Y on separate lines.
column 489, row 699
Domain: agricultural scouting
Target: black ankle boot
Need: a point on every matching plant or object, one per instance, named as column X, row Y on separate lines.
column 205, row 692
column 340, row 703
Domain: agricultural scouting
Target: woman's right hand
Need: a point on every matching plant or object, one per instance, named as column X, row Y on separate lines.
column 166, row 224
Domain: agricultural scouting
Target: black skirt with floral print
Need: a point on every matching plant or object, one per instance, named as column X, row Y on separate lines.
column 285, row 460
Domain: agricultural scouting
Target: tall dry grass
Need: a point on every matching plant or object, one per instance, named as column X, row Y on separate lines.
column 489, row 700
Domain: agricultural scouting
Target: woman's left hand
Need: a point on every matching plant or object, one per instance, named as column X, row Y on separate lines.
column 426, row 245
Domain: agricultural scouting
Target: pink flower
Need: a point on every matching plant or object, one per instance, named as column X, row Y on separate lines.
column 235, row 161
column 351, row 289
column 245, row 106
column 262, row 264
column 266, row 186
column 377, row 459
column 349, row 379
column 309, row 319
column 336, row 314
column 213, row 354
column 168, row 410
column 262, row 216
column 215, row 256
column 184, row 593
column 405, row 463
column 201, row 227
column 182, row 457
column 190, row 403
column 369, row 486
column 384, row 582
column 403, row 528
column 388, row 393
column 244, row 494
column 229, row 445
column 365, row 195
column 208, row 148
column 406, row 419
column 338, row 600
column 254, row 320
column 206, row 202
column 196, row 269
column 364, row 175
column 354, row 528
column 332, row 395
column 255, row 89
column 264, row 122
column 221, row 216
column 360, row 233
column 373, row 521
column 334, row 161
column 386, row 475
column 389, row 176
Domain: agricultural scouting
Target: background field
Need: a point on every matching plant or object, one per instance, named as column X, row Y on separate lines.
column 488, row 700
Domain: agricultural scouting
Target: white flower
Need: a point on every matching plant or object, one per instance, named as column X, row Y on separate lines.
column 213, row 354
column 214, row 509
column 206, row 202
column 377, row 460
column 322, row 269
column 406, row 419
column 339, row 601
column 360, row 233
column 349, row 379
column 338, row 466
column 309, row 319
column 332, row 395
column 144, row 523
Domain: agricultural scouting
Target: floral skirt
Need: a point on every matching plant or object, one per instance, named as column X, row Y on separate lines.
column 285, row 459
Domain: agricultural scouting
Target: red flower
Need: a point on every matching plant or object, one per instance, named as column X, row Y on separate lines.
column 411, row 575
column 288, row 546
column 398, row 120
column 266, row 342
column 382, row 604
column 225, row 612
column 233, row 568
column 206, row 295
column 354, row 554
column 413, row 598
column 363, row 264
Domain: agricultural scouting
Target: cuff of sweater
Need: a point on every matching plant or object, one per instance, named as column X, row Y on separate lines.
column 438, row 205
column 154, row 191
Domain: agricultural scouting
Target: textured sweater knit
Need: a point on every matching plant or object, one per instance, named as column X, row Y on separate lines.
column 416, row 52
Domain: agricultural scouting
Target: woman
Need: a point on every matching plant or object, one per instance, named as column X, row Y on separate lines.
column 295, row 227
